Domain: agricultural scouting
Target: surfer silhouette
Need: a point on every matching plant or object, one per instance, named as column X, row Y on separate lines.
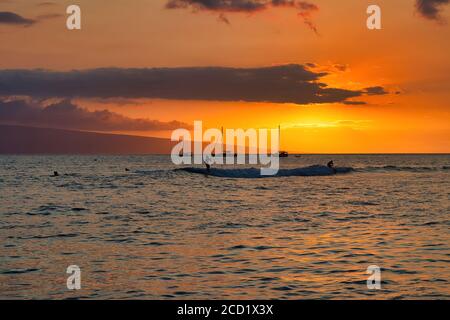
column 331, row 166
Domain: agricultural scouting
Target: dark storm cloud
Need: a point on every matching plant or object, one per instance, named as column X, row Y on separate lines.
column 430, row 9
column 278, row 84
column 304, row 8
column 66, row 115
column 11, row 18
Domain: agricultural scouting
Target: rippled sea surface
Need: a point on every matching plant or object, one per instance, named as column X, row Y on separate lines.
column 155, row 233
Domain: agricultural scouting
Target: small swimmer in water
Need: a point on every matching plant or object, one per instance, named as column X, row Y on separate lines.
column 55, row 174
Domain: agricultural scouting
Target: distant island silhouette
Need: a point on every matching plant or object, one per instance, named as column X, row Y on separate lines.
column 31, row 140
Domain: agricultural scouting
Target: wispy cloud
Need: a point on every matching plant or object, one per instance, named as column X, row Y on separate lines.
column 378, row 90
column 431, row 9
column 305, row 9
column 14, row 19
column 11, row 18
column 49, row 16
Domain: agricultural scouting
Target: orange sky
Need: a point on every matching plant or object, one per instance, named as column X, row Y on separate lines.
column 409, row 57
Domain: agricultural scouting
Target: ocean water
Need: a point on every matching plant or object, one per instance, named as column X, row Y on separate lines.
column 154, row 232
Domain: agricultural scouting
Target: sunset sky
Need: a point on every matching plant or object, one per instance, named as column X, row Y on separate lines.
column 311, row 66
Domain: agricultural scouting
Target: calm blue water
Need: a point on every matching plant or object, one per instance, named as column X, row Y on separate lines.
column 155, row 233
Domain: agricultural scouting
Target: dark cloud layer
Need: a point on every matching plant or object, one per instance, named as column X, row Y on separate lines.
column 66, row 115
column 431, row 9
column 11, row 18
column 304, row 8
column 278, row 84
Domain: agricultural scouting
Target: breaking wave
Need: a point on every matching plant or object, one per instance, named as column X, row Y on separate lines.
column 316, row 170
column 256, row 172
